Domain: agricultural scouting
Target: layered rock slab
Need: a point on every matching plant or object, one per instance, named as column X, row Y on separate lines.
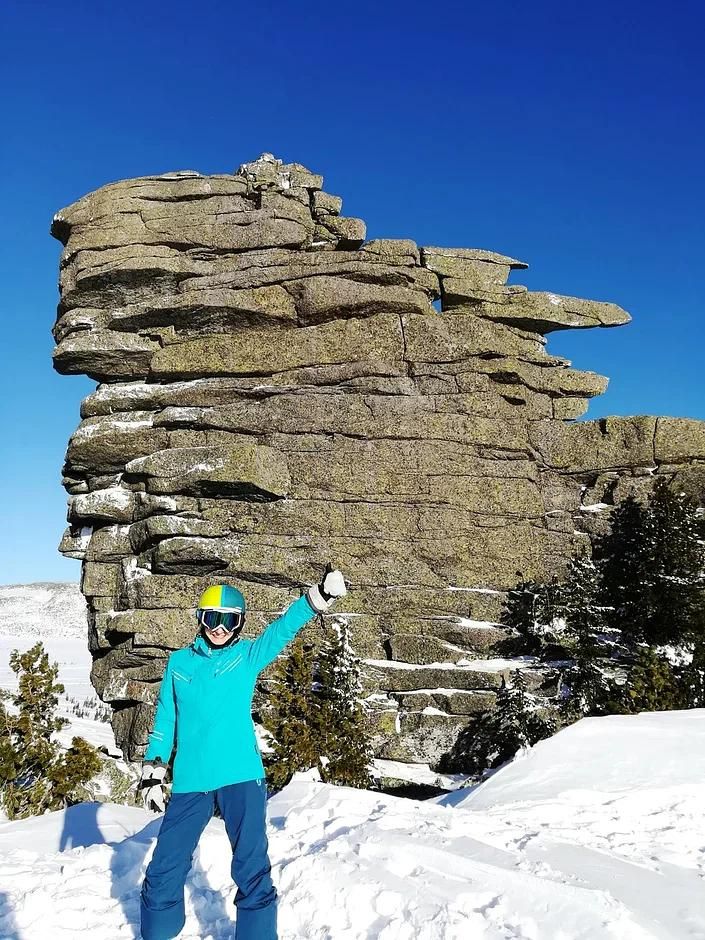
column 276, row 392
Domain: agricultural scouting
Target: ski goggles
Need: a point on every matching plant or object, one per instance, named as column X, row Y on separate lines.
column 229, row 620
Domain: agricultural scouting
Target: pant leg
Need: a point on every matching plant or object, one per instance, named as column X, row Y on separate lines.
column 162, row 898
column 244, row 809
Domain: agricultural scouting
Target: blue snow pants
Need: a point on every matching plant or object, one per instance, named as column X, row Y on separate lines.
column 243, row 807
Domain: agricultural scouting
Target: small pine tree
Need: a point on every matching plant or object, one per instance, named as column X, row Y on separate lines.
column 293, row 715
column 35, row 776
column 348, row 745
column 624, row 567
column 71, row 772
column 536, row 611
column 518, row 719
column 676, row 613
column 581, row 605
column 693, row 679
column 585, row 688
column 586, row 691
column 652, row 563
column 315, row 715
column 653, row 685
column 514, row 720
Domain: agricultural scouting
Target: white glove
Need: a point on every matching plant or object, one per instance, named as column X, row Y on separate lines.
column 153, row 787
column 324, row 595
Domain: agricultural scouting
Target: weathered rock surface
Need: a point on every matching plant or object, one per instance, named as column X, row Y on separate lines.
column 276, row 392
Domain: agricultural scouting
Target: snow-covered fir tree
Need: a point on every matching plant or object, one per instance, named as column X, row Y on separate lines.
column 349, row 753
column 315, row 714
column 652, row 563
column 293, row 716
column 583, row 613
column 537, row 611
column 518, row 719
column 623, row 566
column 586, row 687
column 677, row 608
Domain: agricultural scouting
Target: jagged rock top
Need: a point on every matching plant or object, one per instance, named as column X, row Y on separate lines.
column 268, row 171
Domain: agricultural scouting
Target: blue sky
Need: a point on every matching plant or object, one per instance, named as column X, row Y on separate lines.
column 571, row 138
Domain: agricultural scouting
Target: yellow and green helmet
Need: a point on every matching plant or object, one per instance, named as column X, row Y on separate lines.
column 223, row 606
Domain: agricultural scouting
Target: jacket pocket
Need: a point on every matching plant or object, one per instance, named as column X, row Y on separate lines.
column 182, row 686
column 228, row 666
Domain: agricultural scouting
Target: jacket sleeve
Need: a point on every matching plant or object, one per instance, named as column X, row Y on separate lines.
column 281, row 631
column 161, row 738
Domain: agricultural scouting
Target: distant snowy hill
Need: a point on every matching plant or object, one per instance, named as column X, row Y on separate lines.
column 588, row 836
column 55, row 613
column 42, row 609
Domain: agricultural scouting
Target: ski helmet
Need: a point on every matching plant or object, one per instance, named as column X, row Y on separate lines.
column 221, row 605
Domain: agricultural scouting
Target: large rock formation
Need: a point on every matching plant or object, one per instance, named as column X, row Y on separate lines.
column 275, row 391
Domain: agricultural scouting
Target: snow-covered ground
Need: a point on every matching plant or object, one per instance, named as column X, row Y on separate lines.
column 598, row 832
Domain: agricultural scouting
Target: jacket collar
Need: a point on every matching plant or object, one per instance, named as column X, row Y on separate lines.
column 200, row 646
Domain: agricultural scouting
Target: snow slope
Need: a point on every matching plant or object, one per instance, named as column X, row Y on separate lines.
column 596, row 833
column 650, row 751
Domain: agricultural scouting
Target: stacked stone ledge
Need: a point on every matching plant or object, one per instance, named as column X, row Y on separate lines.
column 274, row 392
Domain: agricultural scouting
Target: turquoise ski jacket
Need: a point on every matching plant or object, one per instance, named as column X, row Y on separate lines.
column 205, row 706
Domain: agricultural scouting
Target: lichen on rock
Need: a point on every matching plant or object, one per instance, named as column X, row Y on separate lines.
column 274, row 392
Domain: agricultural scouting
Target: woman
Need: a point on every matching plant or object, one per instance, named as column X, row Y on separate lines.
column 204, row 711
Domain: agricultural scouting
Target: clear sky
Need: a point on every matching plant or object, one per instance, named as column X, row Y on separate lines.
column 569, row 136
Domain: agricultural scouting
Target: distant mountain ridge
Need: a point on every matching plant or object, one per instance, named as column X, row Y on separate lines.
column 43, row 609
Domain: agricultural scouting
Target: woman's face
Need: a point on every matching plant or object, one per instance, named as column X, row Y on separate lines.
column 218, row 636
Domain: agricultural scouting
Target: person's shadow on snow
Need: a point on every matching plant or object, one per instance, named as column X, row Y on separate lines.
column 80, row 830
column 81, row 827
column 8, row 927
column 127, row 869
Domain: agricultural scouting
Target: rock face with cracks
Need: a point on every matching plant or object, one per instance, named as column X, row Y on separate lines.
column 275, row 391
